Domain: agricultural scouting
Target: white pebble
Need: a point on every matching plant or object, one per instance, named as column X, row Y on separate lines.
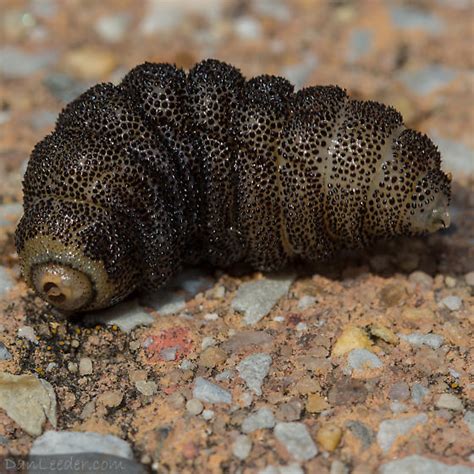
column 242, row 447
column 208, row 414
column 194, row 406
column 28, row 333
column 453, row 303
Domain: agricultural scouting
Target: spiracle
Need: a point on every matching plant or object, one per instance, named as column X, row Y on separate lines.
column 169, row 168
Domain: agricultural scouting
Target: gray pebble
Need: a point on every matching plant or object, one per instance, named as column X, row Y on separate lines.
column 418, row 393
column 361, row 431
column 359, row 359
column 17, row 63
column 453, row 303
column 420, row 465
column 147, row 388
column 408, row 18
column 417, row 339
column 10, row 213
column 127, row 316
column 85, row 366
column 87, row 447
column 112, row 28
column 469, row 420
column 4, row 352
column 242, row 447
column 256, row 298
column 458, row 157
column 247, row 28
column 297, row 440
column 288, row 469
column 390, row 430
column 450, row 402
column 427, row 79
column 169, row 353
column 6, row 281
column 360, row 43
column 64, row 87
column 253, row 369
column 306, row 302
column 262, row 418
column 208, row 414
column 209, row 392
column 165, row 301
column 399, row 391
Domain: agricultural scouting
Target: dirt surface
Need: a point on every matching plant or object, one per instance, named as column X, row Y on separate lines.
column 356, row 363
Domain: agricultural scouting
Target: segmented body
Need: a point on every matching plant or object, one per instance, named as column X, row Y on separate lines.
column 170, row 168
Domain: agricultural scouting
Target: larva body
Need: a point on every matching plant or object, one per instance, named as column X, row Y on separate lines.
column 169, row 168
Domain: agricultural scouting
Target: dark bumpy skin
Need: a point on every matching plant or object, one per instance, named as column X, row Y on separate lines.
column 169, row 168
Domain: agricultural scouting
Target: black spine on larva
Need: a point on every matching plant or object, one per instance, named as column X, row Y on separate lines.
column 168, row 168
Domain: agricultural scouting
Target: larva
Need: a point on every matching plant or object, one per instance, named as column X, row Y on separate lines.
column 170, row 168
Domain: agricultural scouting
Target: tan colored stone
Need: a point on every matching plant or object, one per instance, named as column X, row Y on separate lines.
column 211, row 357
column 316, row 403
column 384, row 333
column 110, row 399
column 329, row 436
column 351, row 338
column 28, row 401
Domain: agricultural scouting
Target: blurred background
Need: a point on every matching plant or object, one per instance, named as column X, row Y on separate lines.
column 415, row 55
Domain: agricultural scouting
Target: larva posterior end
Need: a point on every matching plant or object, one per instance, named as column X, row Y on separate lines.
column 62, row 286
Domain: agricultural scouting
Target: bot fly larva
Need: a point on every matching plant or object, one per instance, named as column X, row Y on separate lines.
column 171, row 168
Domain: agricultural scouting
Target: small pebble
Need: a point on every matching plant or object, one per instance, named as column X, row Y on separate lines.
column 89, row 62
column 418, row 393
column 241, row 447
column 253, row 370
column 85, row 366
column 450, row 402
column 110, row 399
column 112, row 28
column 469, row 420
column 362, row 432
column 168, row 354
column 329, row 436
column 194, row 406
column 28, row 333
column 208, row 414
column 351, row 338
column 416, row 339
column 390, row 430
column 427, row 79
column 453, row 303
column 212, row 357
column 450, row 281
column 383, row 333
column 209, row 392
column 316, row 403
column 399, row 391
column 422, row 465
column 301, row 326
column 469, row 277
column 262, row 418
column 211, row 316
column 338, row 467
column 306, row 302
column 361, row 359
column 256, row 298
column 290, row 411
column 72, row 367
column 4, row 352
column 146, row 388
column 422, row 279
column 296, row 439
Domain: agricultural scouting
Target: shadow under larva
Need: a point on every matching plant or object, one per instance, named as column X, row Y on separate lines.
column 169, row 168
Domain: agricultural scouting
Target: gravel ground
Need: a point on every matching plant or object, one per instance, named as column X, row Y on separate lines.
column 364, row 365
